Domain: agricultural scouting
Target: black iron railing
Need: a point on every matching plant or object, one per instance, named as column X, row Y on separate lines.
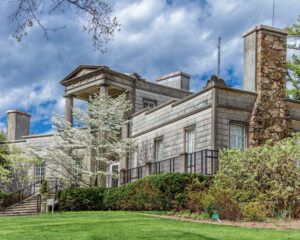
column 205, row 161
column 166, row 166
column 21, row 194
column 28, row 191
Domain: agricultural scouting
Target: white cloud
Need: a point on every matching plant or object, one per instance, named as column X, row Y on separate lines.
column 155, row 38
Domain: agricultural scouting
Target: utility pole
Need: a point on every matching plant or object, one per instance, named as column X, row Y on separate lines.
column 273, row 16
column 219, row 56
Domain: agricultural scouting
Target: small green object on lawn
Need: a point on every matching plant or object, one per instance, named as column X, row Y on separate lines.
column 215, row 216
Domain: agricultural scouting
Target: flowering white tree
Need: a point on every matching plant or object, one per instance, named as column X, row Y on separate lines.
column 82, row 154
column 14, row 167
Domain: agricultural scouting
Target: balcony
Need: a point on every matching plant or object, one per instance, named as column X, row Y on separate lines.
column 205, row 162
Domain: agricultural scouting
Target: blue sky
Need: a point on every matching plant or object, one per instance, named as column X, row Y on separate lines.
column 157, row 37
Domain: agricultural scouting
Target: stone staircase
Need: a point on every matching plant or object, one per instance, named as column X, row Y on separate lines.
column 28, row 206
column 28, row 201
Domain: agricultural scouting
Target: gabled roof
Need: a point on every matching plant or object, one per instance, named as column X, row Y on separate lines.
column 79, row 69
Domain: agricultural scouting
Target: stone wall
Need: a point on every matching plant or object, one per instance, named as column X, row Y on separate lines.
column 141, row 94
column 169, row 121
column 36, row 140
column 232, row 106
column 269, row 118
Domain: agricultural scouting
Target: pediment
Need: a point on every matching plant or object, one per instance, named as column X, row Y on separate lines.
column 80, row 71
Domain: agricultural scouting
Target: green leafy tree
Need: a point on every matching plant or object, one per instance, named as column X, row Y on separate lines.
column 294, row 64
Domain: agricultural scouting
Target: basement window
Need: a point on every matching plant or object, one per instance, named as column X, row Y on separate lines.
column 237, row 136
column 149, row 103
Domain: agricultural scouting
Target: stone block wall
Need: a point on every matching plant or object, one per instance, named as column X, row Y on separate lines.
column 169, row 123
column 141, row 94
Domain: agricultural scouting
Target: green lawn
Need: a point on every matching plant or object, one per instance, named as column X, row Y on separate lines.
column 124, row 225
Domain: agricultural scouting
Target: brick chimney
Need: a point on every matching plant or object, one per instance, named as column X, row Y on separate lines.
column 265, row 73
column 18, row 124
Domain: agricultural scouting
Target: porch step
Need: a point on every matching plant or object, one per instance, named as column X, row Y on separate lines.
column 26, row 207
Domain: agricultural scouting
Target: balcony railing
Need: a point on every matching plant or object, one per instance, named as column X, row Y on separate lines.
column 167, row 165
column 205, row 161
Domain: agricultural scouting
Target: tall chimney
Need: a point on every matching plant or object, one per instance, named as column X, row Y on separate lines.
column 18, row 124
column 265, row 72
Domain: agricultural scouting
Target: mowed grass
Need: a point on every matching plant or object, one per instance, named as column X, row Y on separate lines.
column 125, row 225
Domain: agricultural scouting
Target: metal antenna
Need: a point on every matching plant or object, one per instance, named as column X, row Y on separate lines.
column 273, row 16
column 28, row 97
column 219, row 55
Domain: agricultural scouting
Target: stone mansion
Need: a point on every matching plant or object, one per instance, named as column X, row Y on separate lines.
column 180, row 131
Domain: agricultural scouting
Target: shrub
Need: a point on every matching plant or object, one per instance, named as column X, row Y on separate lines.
column 44, row 187
column 3, row 195
column 267, row 175
column 195, row 191
column 222, row 201
column 80, row 199
column 254, row 211
column 156, row 192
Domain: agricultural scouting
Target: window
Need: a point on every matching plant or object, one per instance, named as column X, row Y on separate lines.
column 190, row 148
column 237, row 136
column 134, row 159
column 158, row 148
column 114, row 169
column 39, row 171
column 148, row 103
column 190, row 140
column 77, row 170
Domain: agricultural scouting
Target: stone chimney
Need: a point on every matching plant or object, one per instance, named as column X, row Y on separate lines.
column 265, row 73
column 18, row 124
column 179, row 80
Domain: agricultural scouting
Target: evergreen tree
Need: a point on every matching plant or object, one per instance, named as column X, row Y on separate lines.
column 294, row 64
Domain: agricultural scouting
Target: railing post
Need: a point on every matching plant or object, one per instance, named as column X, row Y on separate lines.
column 205, row 161
column 148, row 168
column 123, row 176
column 183, row 162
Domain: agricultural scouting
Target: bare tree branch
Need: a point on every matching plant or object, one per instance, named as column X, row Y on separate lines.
column 94, row 15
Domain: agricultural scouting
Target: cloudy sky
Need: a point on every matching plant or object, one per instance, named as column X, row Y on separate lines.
column 157, row 37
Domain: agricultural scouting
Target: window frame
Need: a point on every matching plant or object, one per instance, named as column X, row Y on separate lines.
column 112, row 182
column 150, row 101
column 191, row 161
column 246, row 130
column 42, row 169
column 189, row 128
column 158, row 139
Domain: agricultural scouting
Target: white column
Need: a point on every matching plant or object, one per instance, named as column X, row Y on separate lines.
column 69, row 109
column 103, row 89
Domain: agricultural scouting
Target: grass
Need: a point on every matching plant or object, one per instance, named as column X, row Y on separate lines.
column 125, row 225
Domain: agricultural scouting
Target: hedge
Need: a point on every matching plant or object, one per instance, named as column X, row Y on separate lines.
column 80, row 199
column 156, row 192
